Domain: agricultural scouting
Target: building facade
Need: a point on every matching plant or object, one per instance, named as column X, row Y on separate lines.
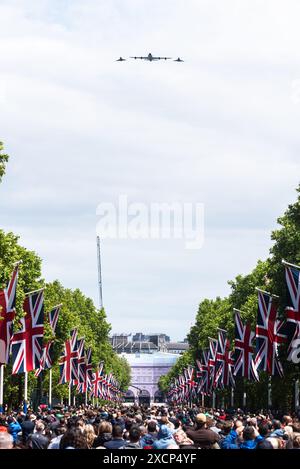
column 146, row 369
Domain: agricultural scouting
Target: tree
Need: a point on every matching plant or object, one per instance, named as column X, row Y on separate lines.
column 3, row 160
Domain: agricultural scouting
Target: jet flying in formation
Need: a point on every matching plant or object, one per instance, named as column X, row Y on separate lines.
column 149, row 58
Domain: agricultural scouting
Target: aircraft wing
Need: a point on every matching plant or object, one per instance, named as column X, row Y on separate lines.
column 161, row 58
column 141, row 58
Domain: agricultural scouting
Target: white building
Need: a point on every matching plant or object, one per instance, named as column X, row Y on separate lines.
column 146, row 369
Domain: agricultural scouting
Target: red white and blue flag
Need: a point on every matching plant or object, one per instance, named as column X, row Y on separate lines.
column 212, row 361
column 292, row 276
column 81, row 361
column 46, row 361
column 68, row 363
column 270, row 333
column 96, row 384
column 27, row 343
column 205, row 374
column 225, row 362
column 7, row 314
column 244, row 349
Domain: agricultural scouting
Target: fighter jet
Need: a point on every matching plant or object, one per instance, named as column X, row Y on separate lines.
column 179, row 60
column 121, row 60
column 151, row 58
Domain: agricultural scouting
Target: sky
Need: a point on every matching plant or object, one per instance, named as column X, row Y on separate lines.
column 220, row 129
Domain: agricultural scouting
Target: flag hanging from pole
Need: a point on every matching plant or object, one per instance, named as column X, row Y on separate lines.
column 7, row 314
column 270, row 333
column 212, row 356
column 27, row 343
column 292, row 277
column 46, row 360
column 244, row 350
column 68, row 363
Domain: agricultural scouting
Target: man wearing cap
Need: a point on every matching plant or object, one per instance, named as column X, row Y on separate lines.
column 201, row 435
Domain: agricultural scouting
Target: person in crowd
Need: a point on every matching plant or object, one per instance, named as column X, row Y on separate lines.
column 229, row 436
column 89, row 433
column 251, row 437
column 6, row 440
column 117, row 440
column 164, row 438
column 134, row 438
column 14, row 428
column 104, row 434
column 202, row 436
column 150, row 436
column 73, row 438
column 38, row 439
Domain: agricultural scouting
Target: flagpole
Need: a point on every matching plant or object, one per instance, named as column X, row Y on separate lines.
column 270, row 392
column 25, row 391
column 34, row 291
column 232, row 398
column 85, row 400
column 289, row 264
column 1, row 388
column 50, row 388
column 244, row 399
column 69, row 400
column 214, row 399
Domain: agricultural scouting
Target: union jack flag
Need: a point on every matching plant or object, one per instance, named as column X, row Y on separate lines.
column 46, row 360
column 27, row 343
column 212, row 360
column 199, row 376
column 7, row 314
column 190, row 383
column 204, row 386
column 270, row 332
column 292, row 276
column 68, row 365
column 97, row 380
column 244, row 350
column 81, row 361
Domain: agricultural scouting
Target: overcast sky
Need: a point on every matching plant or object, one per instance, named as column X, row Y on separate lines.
column 221, row 129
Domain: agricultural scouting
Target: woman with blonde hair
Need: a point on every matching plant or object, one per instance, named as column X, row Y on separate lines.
column 104, row 434
column 89, row 434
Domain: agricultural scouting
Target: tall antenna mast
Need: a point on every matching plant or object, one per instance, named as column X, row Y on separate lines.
column 99, row 272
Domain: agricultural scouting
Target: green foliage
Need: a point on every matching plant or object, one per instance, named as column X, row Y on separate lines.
column 3, row 160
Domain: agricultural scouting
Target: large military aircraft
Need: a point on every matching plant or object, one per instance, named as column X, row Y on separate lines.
column 151, row 58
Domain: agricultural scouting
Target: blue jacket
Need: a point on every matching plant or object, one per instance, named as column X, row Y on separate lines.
column 251, row 444
column 148, row 440
column 14, row 429
column 164, row 438
column 230, row 441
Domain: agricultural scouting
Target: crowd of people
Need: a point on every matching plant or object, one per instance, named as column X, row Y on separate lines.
column 142, row 427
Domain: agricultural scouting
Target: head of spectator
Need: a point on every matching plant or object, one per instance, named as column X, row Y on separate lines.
column 73, row 438
column 6, row 441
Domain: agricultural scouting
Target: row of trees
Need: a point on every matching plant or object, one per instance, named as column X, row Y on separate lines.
column 213, row 313
column 77, row 311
